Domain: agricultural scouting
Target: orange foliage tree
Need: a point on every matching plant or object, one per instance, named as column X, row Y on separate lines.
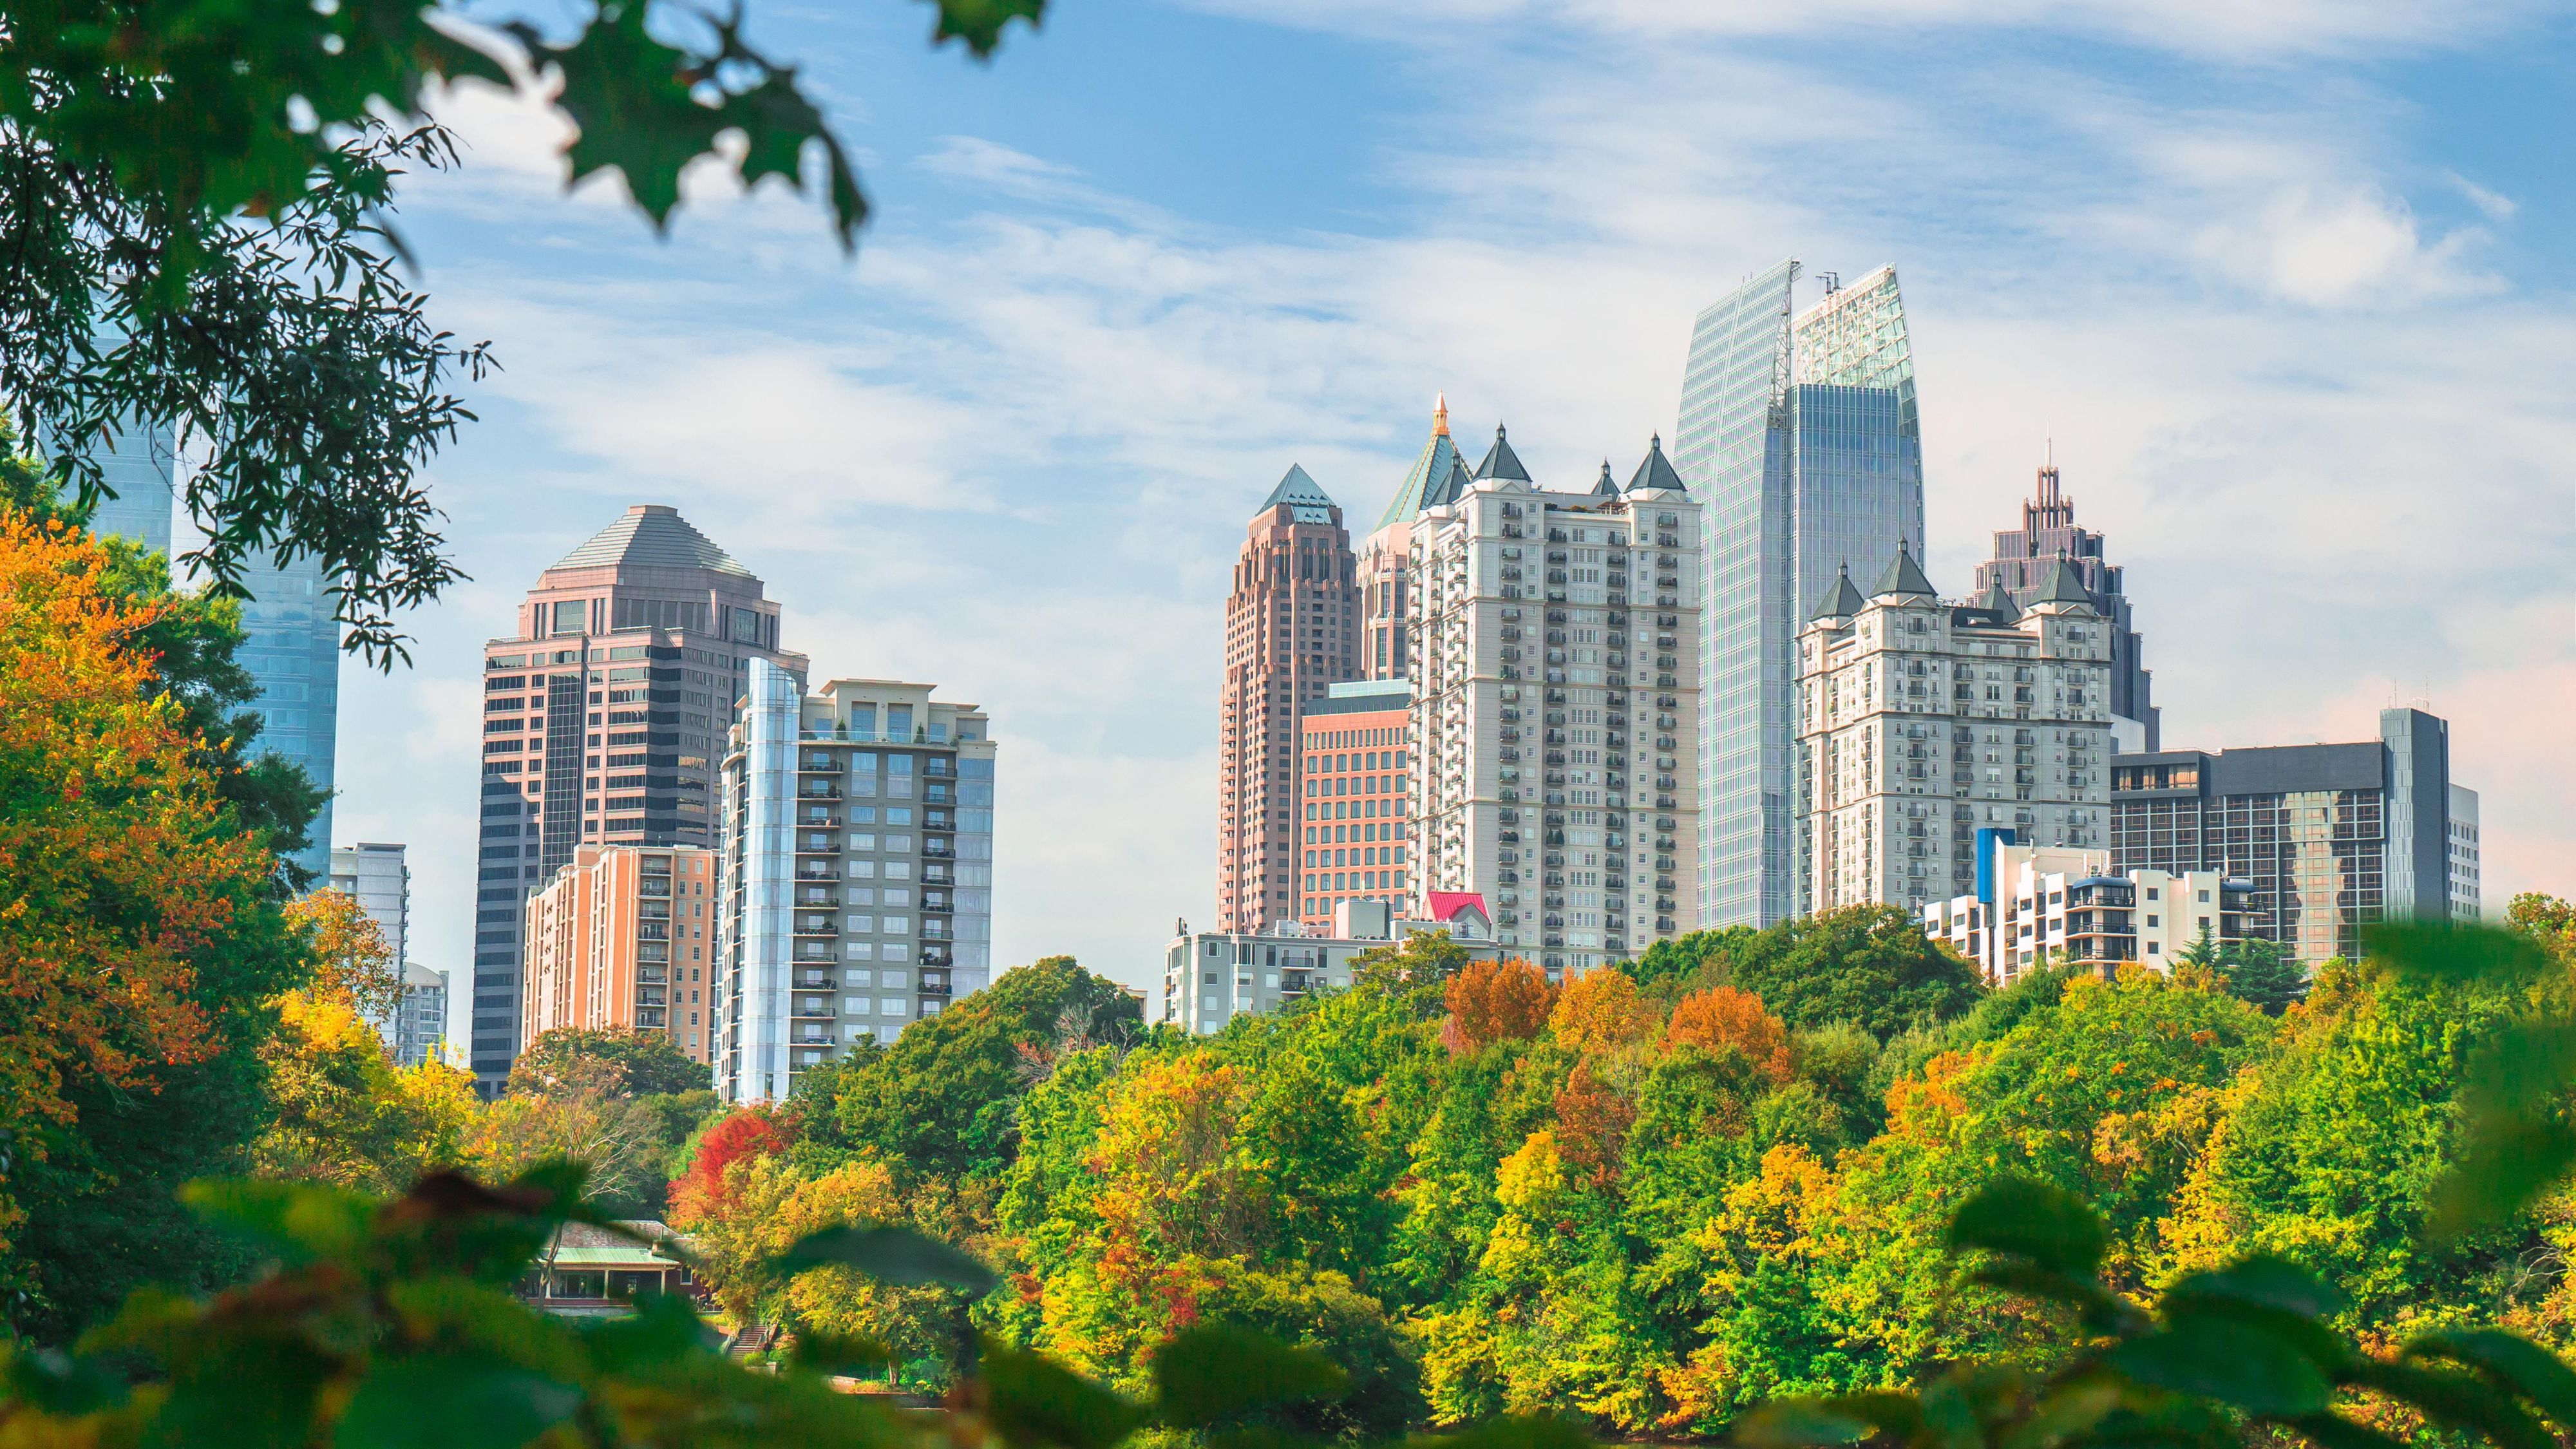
column 1493, row 1001
column 1724, row 1017
column 117, row 858
column 1601, row 1011
column 702, row 1192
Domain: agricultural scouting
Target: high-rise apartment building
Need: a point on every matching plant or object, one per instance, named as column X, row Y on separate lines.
column 603, row 718
column 1291, row 630
column 1353, row 777
column 376, row 876
column 622, row 938
column 2025, row 557
column 420, row 1027
column 1799, row 435
column 2331, row 836
column 1923, row 722
column 1438, row 475
column 857, row 869
column 2463, row 850
column 291, row 646
column 1556, row 680
column 1212, row 977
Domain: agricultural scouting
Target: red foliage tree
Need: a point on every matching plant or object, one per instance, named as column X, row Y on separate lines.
column 701, row 1192
column 1491, row 1001
column 1724, row 1017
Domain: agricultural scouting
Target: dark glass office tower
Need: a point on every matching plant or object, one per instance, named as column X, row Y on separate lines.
column 1800, row 435
column 604, row 723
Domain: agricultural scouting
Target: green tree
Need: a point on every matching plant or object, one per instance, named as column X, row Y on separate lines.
column 643, row 1063
column 1870, row 965
column 2262, row 973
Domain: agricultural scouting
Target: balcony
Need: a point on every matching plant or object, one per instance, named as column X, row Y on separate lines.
column 816, row 926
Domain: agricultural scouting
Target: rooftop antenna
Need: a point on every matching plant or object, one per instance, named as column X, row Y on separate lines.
column 1833, row 281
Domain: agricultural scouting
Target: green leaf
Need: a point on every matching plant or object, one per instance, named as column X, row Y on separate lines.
column 889, row 1255
column 979, row 23
column 664, row 1329
column 2333, row 1431
column 2512, row 1361
column 2440, row 951
column 1798, row 1424
column 2262, row 1281
column 2504, row 1162
column 256, row 1389
column 1508, row 1431
column 1213, row 1372
column 302, row 1222
column 2030, row 1219
column 2231, row 1362
column 57, row 1383
column 848, row 1357
column 453, row 1401
column 2455, row 1400
column 1031, row 1400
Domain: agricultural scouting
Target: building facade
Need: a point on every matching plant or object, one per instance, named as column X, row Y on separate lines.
column 2037, row 906
column 602, row 723
column 1291, row 630
column 1353, row 776
column 2465, row 895
column 1555, row 685
column 376, row 877
column 2331, row 836
column 420, row 1028
column 1922, row 722
column 857, row 870
column 1438, row 475
column 141, row 466
column 1212, row 977
column 2023, row 559
column 622, row 939
column 291, row 647
column 1801, row 438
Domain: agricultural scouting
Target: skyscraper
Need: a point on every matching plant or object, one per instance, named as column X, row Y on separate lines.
column 2023, row 562
column 1291, row 630
column 1555, row 685
column 291, row 646
column 1800, row 437
column 623, row 939
column 857, row 872
column 1438, row 474
column 602, row 722
column 141, row 464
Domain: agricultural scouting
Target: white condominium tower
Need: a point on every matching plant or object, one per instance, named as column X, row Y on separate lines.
column 1556, row 683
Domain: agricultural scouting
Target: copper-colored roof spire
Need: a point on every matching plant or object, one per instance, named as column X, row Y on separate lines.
column 1440, row 416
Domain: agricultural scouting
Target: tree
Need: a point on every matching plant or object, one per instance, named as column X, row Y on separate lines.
column 1491, row 1001
column 641, row 1064
column 1725, row 1017
column 116, row 857
column 2262, row 974
column 1867, row 964
column 344, row 1113
column 353, row 963
column 193, row 200
column 617, row 1140
column 704, row 1190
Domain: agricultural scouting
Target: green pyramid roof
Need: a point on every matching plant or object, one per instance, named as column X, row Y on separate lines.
column 1999, row 599
column 1424, row 481
column 1605, row 488
column 1501, row 461
column 1657, row 470
column 1841, row 601
column 1300, row 493
column 2063, row 585
column 1903, row 576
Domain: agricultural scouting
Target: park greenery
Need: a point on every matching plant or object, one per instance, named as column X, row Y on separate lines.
column 1805, row 1185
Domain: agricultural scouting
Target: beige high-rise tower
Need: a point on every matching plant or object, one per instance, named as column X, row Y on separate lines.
column 1291, row 627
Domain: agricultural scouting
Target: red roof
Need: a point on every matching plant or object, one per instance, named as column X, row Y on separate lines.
column 1447, row 904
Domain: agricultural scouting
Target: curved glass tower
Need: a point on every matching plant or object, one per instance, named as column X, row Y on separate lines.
column 1799, row 434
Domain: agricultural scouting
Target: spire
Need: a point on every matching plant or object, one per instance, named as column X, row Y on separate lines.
column 1501, row 461
column 1999, row 600
column 1429, row 474
column 1657, row 470
column 1903, row 577
column 1308, row 503
column 1440, row 416
column 2063, row 585
column 1841, row 601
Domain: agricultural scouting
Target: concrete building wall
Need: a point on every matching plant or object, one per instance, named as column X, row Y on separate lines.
column 2462, row 848
column 1353, row 777
column 621, row 940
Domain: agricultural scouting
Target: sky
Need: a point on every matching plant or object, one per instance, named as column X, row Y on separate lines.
column 2283, row 285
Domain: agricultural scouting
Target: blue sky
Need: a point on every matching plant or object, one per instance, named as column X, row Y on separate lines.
column 2285, row 283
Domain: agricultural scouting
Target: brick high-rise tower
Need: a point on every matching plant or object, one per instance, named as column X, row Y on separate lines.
column 2025, row 559
column 1291, row 629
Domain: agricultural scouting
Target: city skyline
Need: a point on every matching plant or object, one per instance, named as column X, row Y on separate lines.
column 2251, row 304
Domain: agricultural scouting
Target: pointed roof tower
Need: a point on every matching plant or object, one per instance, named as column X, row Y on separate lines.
column 1657, row 470
column 2000, row 601
column 1904, row 577
column 1310, row 504
column 1429, row 473
column 2063, row 585
column 1606, row 487
column 650, row 535
column 1840, row 601
column 1501, row 461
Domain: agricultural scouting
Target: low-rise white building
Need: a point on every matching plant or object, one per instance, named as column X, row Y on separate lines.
column 2052, row 905
column 1212, row 977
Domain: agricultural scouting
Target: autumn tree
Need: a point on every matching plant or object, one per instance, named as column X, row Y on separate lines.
column 352, row 961
column 1725, row 1017
column 344, row 1113
column 1601, row 1011
column 703, row 1188
column 1491, row 1001
column 622, row 1062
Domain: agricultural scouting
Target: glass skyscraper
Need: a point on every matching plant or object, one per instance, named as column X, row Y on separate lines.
column 141, row 464
column 1800, row 435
